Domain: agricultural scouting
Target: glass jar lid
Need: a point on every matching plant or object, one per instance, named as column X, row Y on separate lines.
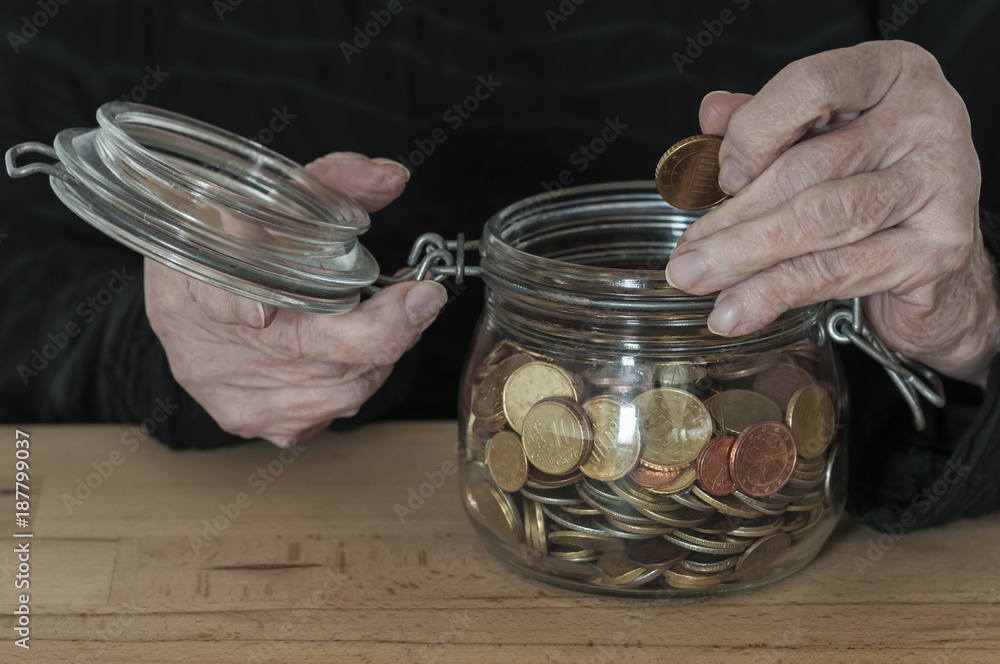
column 216, row 206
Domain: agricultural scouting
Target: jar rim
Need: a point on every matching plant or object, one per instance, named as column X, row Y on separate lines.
column 527, row 259
column 508, row 235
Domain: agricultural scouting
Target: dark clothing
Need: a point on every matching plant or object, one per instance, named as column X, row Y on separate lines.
column 300, row 77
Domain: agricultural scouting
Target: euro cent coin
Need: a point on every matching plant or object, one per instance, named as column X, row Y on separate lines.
column 687, row 175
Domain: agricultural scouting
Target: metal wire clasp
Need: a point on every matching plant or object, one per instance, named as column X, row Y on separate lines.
column 847, row 325
column 433, row 257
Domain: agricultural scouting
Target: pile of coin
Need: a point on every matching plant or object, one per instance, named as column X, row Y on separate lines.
column 692, row 475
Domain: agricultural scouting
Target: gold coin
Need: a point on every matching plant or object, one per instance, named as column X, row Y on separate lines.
column 496, row 511
column 616, row 439
column 735, row 410
column 678, row 577
column 811, row 419
column 575, row 539
column 617, row 569
column 687, row 175
column 574, row 554
column 728, row 505
column 557, row 436
column 534, row 527
column 506, row 461
column 674, row 425
column 677, row 374
column 531, row 383
column 488, row 404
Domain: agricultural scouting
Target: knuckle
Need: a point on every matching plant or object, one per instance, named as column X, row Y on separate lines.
column 816, row 210
column 814, row 82
column 765, row 297
column 355, row 395
column 820, row 272
column 233, row 424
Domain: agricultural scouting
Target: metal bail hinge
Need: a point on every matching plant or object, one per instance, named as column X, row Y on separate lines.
column 847, row 325
column 433, row 257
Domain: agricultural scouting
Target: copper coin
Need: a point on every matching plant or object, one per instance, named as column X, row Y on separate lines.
column 652, row 478
column 780, row 382
column 729, row 366
column 712, row 467
column 687, row 175
column 655, row 553
column 762, row 459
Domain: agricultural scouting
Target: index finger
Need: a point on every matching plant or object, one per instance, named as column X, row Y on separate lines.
column 805, row 95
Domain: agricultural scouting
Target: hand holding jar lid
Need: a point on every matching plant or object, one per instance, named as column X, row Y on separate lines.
column 280, row 374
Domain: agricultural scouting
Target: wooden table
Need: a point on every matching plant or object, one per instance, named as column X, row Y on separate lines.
column 154, row 564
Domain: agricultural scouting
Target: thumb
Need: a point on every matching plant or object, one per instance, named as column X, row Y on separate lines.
column 717, row 108
column 229, row 308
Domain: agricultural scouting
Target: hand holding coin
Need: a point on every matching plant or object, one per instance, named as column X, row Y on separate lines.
column 854, row 175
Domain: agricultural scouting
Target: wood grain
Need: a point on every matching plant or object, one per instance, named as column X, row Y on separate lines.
column 317, row 567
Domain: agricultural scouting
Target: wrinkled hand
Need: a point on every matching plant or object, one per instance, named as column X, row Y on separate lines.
column 854, row 174
column 277, row 374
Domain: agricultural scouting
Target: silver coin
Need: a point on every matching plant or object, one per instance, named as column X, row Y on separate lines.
column 583, row 524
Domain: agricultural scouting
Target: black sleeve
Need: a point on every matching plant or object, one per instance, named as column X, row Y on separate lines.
column 77, row 346
column 902, row 478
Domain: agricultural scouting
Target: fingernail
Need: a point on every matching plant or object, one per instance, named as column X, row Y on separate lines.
column 424, row 301
column 725, row 317
column 732, row 178
column 713, row 93
column 397, row 169
column 685, row 271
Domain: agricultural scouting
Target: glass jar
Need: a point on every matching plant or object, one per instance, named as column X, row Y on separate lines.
column 608, row 441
